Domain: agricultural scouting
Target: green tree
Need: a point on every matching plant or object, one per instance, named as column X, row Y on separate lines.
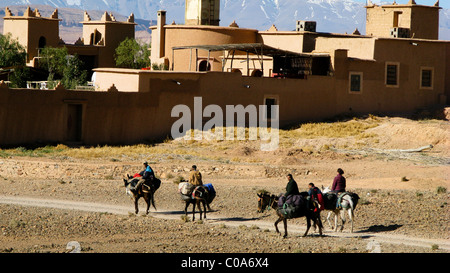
column 74, row 73
column 69, row 69
column 54, row 60
column 20, row 76
column 13, row 56
column 131, row 54
column 11, row 52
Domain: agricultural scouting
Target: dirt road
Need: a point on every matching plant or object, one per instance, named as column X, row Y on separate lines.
column 54, row 195
column 217, row 219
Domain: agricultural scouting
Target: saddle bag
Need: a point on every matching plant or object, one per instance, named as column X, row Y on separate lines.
column 156, row 183
column 185, row 197
column 185, row 188
column 211, row 193
column 330, row 200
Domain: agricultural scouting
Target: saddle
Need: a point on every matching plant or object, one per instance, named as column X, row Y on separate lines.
column 150, row 185
column 340, row 195
column 189, row 191
column 199, row 192
column 333, row 200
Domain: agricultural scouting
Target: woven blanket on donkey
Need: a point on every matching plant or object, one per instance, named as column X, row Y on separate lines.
column 292, row 206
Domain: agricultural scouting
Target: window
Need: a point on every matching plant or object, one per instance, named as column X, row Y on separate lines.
column 204, row 66
column 397, row 18
column 392, row 73
column 355, row 80
column 426, row 77
column 42, row 43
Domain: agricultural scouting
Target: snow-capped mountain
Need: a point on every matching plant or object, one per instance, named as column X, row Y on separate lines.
column 331, row 16
column 338, row 16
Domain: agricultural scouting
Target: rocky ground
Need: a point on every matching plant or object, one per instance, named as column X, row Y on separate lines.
column 401, row 194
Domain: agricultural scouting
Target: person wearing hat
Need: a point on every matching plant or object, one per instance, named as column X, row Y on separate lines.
column 147, row 174
column 195, row 177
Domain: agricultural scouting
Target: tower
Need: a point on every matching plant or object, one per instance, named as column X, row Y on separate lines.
column 107, row 31
column 403, row 21
column 33, row 31
column 106, row 34
column 158, row 38
column 202, row 12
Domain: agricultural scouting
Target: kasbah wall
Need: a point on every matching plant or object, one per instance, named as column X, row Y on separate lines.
column 133, row 106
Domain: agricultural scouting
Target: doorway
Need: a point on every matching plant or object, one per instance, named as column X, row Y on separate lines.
column 74, row 122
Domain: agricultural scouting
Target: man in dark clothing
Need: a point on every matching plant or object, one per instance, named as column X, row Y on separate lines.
column 291, row 187
column 339, row 182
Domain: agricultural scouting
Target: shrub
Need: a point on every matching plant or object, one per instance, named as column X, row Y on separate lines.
column 441, row 189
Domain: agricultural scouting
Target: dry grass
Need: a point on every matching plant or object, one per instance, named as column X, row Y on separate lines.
column 208, row 146
column 336, row 129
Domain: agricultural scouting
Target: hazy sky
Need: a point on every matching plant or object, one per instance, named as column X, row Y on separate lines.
column 442, row 3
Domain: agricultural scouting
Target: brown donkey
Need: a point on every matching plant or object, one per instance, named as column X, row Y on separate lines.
column 266, row 200
column 199, row 197
column 147, row 191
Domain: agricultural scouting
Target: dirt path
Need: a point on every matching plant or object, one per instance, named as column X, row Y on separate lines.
column 217, row 219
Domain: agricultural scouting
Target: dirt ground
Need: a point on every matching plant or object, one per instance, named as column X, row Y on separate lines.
column 404, row 195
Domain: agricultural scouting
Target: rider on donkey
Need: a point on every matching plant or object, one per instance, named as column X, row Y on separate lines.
column 316, row 194
column 338, row 186
column 339, row 182
column 195, row 177
column 146, row 174
column 291, row 187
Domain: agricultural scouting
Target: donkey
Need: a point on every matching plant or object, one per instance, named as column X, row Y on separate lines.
column 200, row 196
column 267, row 200
column 147, row 190
column 348, row 203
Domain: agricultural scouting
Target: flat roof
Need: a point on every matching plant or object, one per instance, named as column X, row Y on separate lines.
column 257, row 48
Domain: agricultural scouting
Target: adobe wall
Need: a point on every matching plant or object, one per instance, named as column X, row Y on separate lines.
column 425, row 23
column 41, row 116
column 179, row 35
column 12, row 25
column 132, row 117
column 412, row 55
column 370, row 55
column 358, row 46
column 30, row 116
column 288, row 40
column 311, row 99
column 28, row 30
column 422, row 20
column 447, row 73
column 113, row 33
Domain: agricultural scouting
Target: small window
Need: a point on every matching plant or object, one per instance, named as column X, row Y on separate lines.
column 426, row 78
column 356, row 82
column 204, row 66
column 392, row 72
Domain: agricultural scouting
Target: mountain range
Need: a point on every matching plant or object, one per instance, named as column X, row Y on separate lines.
column 337, row 16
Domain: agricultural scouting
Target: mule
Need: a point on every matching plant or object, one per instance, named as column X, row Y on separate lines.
column 147, row 191
column 347, row 204
column 267, row 200
column 199, row 197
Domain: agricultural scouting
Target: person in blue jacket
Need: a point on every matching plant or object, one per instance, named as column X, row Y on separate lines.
column 146, row 174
